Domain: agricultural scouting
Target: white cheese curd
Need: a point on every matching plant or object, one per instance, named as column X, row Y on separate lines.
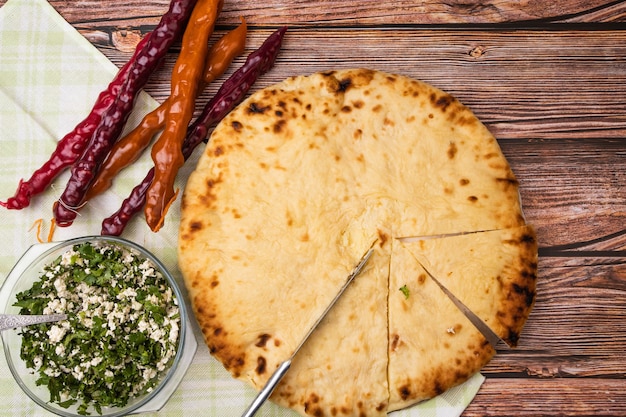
column 56, row 334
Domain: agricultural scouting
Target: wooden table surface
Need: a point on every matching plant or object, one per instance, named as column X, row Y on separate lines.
column 548, row 78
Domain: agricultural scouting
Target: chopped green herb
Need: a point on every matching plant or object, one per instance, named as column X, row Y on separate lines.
column 405, row 290
column 121, row 333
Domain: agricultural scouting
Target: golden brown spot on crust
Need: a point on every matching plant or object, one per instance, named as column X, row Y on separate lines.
column 358, row 134
column 382, row 237
column 345, row 84
column 410, row 119
column 311, row 407
column 263, row 338
column 195, row 226
column 388, row 122
column 261, row 365
column 278, row 126
column 360, row 158
column 346, row 109
column 218, row 151
column 437, row 387
column 394, row 342
column 526, row 293
column 421, row 279
column 305, row 237
column 452, row 150
column 237, row 126
column 256, row 108
column 464, row 181
column 377, row 108
column 358, row 104
column 405, row 392
column 443, row 102
column 472, row 198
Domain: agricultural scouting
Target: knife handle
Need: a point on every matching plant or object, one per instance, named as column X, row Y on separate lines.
column 267, row 390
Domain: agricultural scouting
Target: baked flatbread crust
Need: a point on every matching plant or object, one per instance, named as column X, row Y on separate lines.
column 492, row 273
column 432, row 345
column 342, row 369
column 293, row 187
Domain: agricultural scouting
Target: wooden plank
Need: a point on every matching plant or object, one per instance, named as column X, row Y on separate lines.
column 549, row 397
column 515, row 85
column 348, row 13
column 572, row 190
column 576, row 328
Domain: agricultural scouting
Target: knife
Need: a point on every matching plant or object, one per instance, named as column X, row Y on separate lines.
column 282, row 369
column 482, row 327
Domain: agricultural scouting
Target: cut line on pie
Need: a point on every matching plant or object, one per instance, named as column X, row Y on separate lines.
column 296, row 183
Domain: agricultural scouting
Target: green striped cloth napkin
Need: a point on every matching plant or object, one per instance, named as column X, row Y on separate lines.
column 49, row 78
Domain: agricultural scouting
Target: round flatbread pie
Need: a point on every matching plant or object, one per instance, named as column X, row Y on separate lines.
column 296, row 184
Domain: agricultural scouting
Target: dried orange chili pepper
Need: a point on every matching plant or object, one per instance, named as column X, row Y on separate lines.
column 224, row 51
column 186, row 77
column 128, row 149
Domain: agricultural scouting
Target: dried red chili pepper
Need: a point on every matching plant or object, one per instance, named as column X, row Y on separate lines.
column 186, row 77
column 112, row 123
column 128, row 149
column 72, row 145
column 228, row 96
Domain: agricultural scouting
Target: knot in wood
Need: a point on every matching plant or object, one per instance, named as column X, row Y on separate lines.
column 477, row 51
column 125, row 40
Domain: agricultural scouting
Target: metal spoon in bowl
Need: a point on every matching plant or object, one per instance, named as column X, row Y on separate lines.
column 11, row 321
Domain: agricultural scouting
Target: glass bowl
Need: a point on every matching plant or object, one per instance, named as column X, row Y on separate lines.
column 29, row 270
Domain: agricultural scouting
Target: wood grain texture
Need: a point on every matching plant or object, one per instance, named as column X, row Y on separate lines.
column 524, row 70
column 549, row 397
column 549, row 80
column 88, row 13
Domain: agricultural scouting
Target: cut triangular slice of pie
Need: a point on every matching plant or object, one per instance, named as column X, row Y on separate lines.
column 432, row 345
column 492, row 273
column 343, row 365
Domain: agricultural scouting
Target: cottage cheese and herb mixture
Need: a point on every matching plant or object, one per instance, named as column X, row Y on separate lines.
column 121, row 333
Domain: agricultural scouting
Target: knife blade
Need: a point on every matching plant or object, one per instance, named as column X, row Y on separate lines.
column 482, row 327
column 282, row 369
